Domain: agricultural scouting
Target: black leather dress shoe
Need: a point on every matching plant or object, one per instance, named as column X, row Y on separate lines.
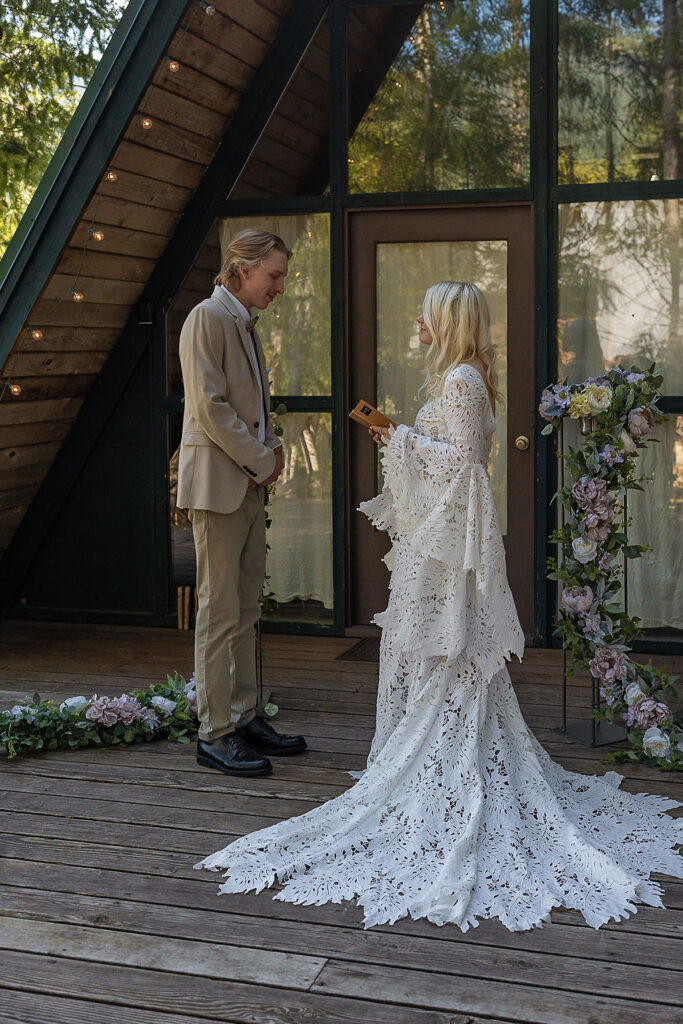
column 261, row 736
column 232, row 755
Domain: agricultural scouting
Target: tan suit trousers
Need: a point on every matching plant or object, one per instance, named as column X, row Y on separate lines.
column 231, row 563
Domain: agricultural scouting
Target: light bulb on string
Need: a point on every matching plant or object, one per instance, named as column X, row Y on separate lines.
column 77, row 296
column 15, row 389
column 97, row 235
column 111, row 176
column 36, row 334
column 209, row 9
column 146, row 123
column 173, row 65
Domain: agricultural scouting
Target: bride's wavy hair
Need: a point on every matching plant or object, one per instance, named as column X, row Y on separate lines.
column 458, row 318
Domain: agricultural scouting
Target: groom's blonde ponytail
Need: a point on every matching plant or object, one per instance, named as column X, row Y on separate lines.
column 247, row 249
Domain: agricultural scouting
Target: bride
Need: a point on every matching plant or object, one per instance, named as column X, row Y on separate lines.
column 460, row 813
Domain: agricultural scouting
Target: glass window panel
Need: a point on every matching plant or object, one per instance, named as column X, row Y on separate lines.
column 299, row 565
column 300, row 558
column 619, row 91
column 619, row 288
column 296, row 328
column 438, row 96
column 404, row 272
column 655, row 581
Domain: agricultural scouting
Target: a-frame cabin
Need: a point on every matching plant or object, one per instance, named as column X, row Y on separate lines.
column 203, row 117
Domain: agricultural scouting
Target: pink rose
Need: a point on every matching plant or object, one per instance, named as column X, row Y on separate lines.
column 103, row 710
column 640, row 422
column 577, row 600
column 608, row 665
column 588, row 493
column 649, row 712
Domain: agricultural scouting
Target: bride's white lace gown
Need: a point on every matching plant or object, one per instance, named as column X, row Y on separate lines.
column 460, row 814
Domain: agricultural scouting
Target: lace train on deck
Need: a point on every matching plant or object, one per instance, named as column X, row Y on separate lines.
column 460, row 813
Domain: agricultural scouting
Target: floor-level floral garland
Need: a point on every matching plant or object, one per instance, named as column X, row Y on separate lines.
column 617, row 411
column 166, row 710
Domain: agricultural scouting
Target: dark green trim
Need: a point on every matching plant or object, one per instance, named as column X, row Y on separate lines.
column 542, row 150
column 107, row 105
column 617, row 190
column 303, row 403
column 339, row 419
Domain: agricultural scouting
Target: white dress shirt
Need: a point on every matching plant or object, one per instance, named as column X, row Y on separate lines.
column 246, row 316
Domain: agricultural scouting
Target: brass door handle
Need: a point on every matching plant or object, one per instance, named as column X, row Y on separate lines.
column 522, row 443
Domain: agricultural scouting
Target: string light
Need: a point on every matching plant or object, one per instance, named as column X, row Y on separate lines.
column 111, row 176
column 77, row 296
column 146, row 123
column 98, row 235
column 36, row 334
column 173, row 65
column 209, row 9
column 15, row 389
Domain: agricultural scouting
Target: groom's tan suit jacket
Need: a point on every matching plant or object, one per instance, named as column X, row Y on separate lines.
column 219, row 449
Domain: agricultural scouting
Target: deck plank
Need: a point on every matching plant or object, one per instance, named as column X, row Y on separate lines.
column 102, row 916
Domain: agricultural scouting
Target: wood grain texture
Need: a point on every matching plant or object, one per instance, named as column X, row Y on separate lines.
column 103, row 917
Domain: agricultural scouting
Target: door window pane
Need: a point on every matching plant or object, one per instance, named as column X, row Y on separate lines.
column 619, row 91
column 404, row 272
column 295, row 329
column 440, row 100
column 620, row 288
column 299, row 563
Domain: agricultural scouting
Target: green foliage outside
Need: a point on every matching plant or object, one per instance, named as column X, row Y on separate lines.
column 48, row 52
column 453, row 111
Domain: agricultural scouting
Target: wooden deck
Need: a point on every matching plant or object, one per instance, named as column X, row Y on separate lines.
column 105, row 920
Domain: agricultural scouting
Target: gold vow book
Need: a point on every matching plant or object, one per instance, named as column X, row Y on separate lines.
column 368, row 416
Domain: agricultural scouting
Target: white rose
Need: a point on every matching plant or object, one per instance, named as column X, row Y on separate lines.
column 584, row 550
column 77, row 703
column 600, row 397
column 164, row 704
column 655, row 742
column 633, row 694
column 627, row 442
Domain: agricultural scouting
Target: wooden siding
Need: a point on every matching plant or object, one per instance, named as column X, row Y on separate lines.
column 158, row 171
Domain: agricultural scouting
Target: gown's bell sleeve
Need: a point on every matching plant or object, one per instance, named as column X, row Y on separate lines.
column 438, row 508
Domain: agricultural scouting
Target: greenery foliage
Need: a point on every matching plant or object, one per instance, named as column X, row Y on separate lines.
column 617, row 411
column 48, row 51
column 167, row 710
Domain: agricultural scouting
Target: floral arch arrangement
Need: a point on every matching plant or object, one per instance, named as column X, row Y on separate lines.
column 616, row 413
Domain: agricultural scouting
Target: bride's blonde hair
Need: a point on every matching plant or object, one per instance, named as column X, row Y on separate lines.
column 457, row 315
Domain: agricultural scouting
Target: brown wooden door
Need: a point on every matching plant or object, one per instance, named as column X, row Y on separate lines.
column 394, row 256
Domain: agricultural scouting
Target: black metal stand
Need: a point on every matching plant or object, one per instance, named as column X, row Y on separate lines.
column 593, row 733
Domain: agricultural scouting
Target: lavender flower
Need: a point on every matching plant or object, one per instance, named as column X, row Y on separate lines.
column 610, row 694
column 149, row 718
column 605, row 562
column 609, row 455
column 608, row 665
column 592, row 623
column 577, row 600
column 634, row 378
column 192, row 702
column 22, row 712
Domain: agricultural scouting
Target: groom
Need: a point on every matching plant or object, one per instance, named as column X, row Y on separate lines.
column 229, row 454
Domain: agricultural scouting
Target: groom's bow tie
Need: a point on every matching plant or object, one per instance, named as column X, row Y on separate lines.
column 251, row 324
